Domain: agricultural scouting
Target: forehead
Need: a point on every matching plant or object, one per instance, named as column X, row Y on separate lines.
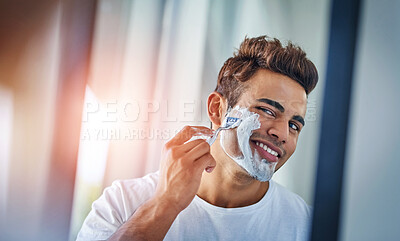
column 267, row 84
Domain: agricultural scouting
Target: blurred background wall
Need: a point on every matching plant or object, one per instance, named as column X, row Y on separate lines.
column 371, row 194
column 90, row 92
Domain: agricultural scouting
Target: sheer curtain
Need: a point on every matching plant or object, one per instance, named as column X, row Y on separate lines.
column 28, row 69
column 44, row 48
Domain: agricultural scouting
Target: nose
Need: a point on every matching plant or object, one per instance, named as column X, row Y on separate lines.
column 279, row 130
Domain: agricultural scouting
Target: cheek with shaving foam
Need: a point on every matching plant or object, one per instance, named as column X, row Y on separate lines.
column 236, row 144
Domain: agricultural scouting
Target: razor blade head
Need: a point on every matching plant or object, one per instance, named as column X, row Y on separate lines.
column 232, row 122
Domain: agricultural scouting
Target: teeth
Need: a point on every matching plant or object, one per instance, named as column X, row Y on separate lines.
column 267, row 149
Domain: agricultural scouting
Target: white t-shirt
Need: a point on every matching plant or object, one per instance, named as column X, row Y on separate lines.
column 279, row 215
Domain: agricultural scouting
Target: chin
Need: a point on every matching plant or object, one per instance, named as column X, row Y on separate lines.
column 263, row 178
column 260, row 170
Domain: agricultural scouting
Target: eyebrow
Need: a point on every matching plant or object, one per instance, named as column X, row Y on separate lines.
column 299, row 119
column 278, row 106
column 273, row 103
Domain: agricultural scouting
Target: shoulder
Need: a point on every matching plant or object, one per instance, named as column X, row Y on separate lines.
column 117, row 203
column 291, row 201
column 128, row 195
column 135, row 189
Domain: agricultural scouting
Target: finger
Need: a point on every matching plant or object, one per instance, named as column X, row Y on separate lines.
column 186, row 134
column 205, row 161
column 187, row 147
column 203, row 130
column 198, row 151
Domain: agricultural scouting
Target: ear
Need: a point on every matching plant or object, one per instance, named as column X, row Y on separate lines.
column 216, row 108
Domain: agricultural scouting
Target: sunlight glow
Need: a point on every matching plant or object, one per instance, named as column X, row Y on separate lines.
column 92, row 149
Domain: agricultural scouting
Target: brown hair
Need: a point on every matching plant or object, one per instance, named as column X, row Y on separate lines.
column 264, row 53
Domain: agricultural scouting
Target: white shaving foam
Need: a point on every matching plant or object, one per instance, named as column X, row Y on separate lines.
column 254, row 164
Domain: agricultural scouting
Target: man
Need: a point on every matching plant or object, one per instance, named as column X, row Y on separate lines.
column 223, row 192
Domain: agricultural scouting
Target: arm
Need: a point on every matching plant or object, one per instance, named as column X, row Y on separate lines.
column 180, row 177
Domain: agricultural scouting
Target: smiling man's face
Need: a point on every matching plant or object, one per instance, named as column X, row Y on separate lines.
column 281, row 104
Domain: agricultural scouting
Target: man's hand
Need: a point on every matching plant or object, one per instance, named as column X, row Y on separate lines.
column 182, row 167
column 181, row 170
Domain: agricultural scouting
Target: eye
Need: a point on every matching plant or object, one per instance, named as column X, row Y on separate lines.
column 267, row 111
column 294, row 126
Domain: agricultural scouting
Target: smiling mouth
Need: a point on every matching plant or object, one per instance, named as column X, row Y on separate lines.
column 266, row 151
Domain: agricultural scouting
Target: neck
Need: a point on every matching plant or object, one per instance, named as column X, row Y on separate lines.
column 229, row 186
